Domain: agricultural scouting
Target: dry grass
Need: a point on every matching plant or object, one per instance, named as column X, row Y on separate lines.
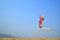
column 29, row 38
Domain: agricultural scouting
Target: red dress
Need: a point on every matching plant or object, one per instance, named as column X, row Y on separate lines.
column 40, row 21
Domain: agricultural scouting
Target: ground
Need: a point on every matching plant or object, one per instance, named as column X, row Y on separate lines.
column 29, row 38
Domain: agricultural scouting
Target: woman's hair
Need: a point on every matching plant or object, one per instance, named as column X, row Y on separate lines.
column 42, row 18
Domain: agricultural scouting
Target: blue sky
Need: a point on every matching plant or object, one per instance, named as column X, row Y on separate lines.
column 20, row 17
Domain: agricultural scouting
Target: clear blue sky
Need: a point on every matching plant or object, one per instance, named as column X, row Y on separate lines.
column 20, row 17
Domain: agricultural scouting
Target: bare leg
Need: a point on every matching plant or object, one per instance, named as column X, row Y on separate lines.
column 46, row 28
column 37, row 31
